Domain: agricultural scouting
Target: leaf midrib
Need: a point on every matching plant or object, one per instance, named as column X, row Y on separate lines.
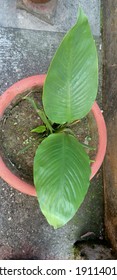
column 62, row 178
column 69, row 84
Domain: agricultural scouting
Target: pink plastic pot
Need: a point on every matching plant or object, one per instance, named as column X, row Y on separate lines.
column 6, row 99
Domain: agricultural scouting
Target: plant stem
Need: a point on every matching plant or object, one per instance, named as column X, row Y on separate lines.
column 40, row 113
column 88, row 147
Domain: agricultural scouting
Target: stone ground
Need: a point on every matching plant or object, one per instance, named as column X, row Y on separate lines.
column 27, row 45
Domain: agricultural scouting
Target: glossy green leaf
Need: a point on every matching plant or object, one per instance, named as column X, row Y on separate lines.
column 72, row 79
column 39, row 129
column 61, row 176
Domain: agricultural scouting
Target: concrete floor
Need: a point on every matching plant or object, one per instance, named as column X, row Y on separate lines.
column 26, row 48
column 66, row 15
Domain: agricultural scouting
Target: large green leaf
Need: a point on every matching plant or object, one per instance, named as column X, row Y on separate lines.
column 72, row 79
column 61, row 177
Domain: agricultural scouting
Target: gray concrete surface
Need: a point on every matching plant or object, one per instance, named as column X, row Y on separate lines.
column 24, row 53
column 24, row 233
column 66, row 15
column 47, row 14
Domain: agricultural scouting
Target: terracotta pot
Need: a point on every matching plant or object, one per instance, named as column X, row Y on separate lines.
column 39, row 1
column 19, row 88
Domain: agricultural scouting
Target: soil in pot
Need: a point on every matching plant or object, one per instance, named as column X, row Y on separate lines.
column 19, row 144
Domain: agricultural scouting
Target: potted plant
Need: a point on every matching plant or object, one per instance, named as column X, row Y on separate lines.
column 62, row 168
column 36, row 1
column 40, row 1
column 33, row 2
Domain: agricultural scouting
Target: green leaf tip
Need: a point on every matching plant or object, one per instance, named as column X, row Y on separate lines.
column 72, row 80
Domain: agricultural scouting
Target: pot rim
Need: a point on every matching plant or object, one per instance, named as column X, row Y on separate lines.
column 5, row 100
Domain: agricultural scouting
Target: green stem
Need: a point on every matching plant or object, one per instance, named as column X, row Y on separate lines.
column 40, row 113
column 29, row 145
column 88, row 147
